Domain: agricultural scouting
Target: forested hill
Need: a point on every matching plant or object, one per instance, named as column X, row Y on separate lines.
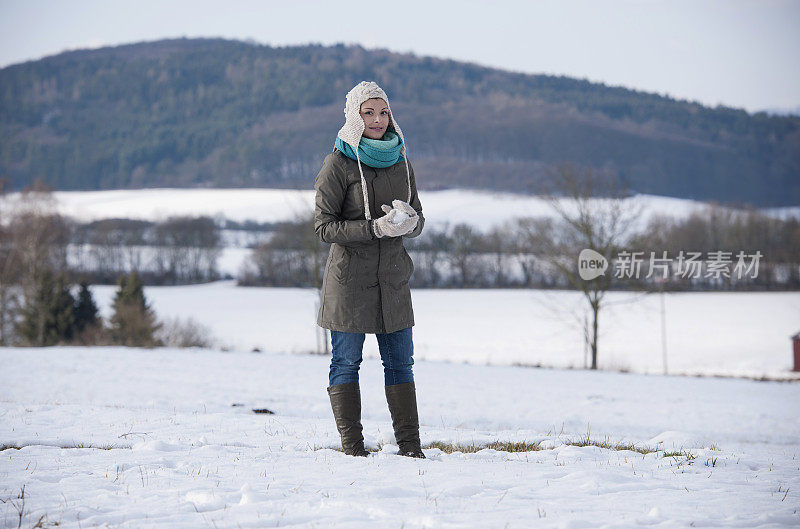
column 212, row 112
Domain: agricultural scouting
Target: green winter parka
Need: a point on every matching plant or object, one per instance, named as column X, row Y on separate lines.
column 365, row 287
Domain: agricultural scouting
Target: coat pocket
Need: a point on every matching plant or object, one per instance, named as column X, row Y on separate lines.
column 340, row 264
column 410, row 262
column 363, row 268
column 405, row 267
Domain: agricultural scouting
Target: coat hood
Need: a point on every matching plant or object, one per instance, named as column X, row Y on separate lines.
column 353, row 129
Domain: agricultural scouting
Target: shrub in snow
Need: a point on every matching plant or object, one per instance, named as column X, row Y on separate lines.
column 175, row 332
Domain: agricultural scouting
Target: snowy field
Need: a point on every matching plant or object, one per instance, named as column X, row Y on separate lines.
column 481, row 209
column 717, row 333
column 129, row 438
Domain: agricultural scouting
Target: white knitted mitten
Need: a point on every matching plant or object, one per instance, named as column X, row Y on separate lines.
column 394, row 223
column 405, row 211
column 403, row 214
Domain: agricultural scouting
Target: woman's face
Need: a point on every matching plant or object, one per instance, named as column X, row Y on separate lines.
column 375, row 113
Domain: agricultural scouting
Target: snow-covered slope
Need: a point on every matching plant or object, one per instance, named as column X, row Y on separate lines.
column 482, row 209
column 181, row 456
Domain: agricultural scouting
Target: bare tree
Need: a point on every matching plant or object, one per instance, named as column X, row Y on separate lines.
column 499, row 246
column 111, row 247
column 9, row 276
column 530, row 241
column 187, row 249
column 593, row 213
column 462, row 256
column 293, row 256
column 33, row 242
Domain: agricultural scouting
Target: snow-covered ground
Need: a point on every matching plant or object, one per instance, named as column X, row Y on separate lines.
column 726, row 333
column 481, row 209
column 180, row 455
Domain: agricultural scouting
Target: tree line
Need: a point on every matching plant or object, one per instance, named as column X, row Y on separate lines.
column 521, row 254
column 177, row 250
column 38, row 305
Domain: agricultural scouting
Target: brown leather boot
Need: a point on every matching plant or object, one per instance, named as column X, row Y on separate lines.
column 402, row 399
column 346, row 406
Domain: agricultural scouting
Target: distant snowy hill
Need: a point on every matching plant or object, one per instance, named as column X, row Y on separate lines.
column 481, row 209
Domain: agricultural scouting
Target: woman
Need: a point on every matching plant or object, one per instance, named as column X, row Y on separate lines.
column 365, row 287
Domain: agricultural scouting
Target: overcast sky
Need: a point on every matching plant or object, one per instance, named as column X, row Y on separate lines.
column 741, row 53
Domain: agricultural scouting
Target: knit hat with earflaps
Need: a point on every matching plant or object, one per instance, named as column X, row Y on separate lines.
column 353, row 129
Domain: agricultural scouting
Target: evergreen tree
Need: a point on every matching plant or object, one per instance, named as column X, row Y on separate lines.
column 86, row 313
column 49, row 313
column 133, row 322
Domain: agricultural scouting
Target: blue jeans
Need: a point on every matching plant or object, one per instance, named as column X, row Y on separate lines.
column 397, row 355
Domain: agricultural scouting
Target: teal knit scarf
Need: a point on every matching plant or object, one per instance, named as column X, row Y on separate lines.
column 374, row 153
